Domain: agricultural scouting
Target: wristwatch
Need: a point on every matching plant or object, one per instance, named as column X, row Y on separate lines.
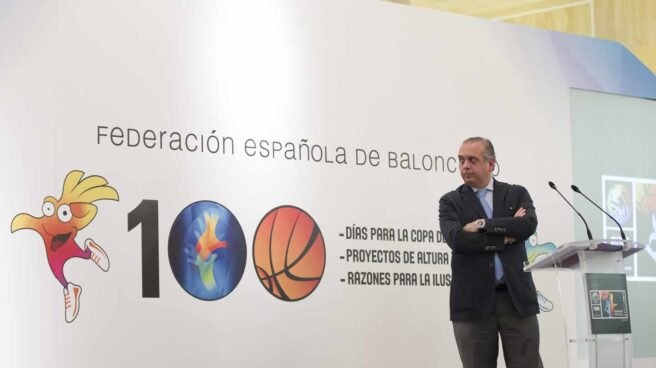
column 480, row 225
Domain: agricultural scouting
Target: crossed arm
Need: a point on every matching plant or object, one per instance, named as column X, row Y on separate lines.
column 498, row 231
column 471, row 227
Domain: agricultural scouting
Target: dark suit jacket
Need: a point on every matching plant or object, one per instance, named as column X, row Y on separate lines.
column 472, row 262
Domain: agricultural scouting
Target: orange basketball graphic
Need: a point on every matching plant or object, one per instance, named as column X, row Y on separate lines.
column 289, row 253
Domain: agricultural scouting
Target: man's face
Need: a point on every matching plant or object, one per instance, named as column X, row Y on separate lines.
column 474, row 169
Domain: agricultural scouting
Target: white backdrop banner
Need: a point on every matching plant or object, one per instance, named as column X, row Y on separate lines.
column 256, row 183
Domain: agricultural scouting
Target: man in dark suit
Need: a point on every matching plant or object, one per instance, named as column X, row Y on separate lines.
column 485, row 223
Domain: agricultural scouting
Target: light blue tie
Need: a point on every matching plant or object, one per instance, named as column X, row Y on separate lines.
column 498, row 269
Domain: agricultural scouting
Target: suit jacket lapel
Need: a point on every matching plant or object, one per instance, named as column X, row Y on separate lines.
column 469, row 198
column 499, row 199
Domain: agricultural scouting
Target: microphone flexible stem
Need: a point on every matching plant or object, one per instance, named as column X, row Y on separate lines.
column 577, row 190
column 587, row 228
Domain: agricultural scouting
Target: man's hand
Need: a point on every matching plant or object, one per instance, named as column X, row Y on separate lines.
column 521, row 212
column 471, row 227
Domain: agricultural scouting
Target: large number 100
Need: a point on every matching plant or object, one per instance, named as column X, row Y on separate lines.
column 207, row 250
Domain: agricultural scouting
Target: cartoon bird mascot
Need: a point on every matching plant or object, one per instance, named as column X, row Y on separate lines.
column 62, row 219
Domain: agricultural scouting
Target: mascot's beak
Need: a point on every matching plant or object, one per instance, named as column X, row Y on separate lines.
column 23, row 221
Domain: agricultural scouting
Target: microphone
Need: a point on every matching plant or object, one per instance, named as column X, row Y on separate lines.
column 577, row 190
column 587, row 228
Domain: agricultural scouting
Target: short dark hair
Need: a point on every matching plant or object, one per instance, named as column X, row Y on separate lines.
column 488, row 148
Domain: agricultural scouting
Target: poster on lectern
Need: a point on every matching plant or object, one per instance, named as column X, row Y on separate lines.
column 609, row 303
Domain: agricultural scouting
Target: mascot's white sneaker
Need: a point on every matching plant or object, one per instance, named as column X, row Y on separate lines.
column 545, row 304
column 98, row 255
column 72, row 301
